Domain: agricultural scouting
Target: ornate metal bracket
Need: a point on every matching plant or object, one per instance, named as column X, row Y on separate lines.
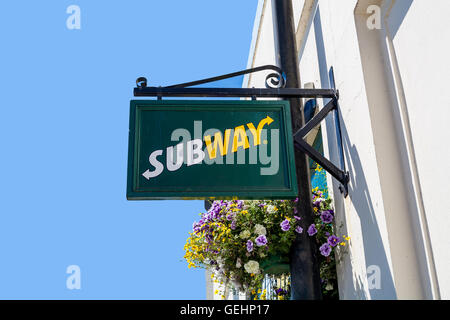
column 275, row 79
column 341, row 175
column 275, row 83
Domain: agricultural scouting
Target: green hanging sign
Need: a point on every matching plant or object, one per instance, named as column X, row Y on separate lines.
column 210, row 150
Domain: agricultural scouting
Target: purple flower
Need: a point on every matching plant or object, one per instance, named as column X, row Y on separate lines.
column 325, row 249
column 233, row 225
column 297, row 218
column 196, row 227
column 296, row 200
column 295, row 211
column 299, row 229
column 261, row 241
column 326, row 217
column 312, row 230
column 249, row 246
column 285, row 225
column 333, row 240
column 317, row 203
column 280, row 292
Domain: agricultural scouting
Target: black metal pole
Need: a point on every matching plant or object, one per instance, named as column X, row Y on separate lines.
column 305, row 275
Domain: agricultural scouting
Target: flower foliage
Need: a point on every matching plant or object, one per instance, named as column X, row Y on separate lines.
column 235, row 238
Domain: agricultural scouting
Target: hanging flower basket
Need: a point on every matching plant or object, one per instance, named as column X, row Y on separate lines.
column 275, row 265
column 241, row 242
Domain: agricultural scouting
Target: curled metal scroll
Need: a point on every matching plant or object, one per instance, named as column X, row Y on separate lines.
column 141, row 82
column 275, row 79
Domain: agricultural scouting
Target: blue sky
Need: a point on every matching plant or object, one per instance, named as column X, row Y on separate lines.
column 64, row 110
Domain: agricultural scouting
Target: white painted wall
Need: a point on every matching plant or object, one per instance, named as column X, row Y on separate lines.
column 263, row 45
column 420, row 45
column 394, row 110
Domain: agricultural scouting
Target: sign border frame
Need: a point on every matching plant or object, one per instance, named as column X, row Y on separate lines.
column 276, row 194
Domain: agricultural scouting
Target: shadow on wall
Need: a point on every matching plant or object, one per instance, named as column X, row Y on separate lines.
column 388, row 116
column 374, row 251
column 397, row 15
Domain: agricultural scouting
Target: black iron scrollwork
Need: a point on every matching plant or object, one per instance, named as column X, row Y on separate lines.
column 275, row 79
column 141, row 82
